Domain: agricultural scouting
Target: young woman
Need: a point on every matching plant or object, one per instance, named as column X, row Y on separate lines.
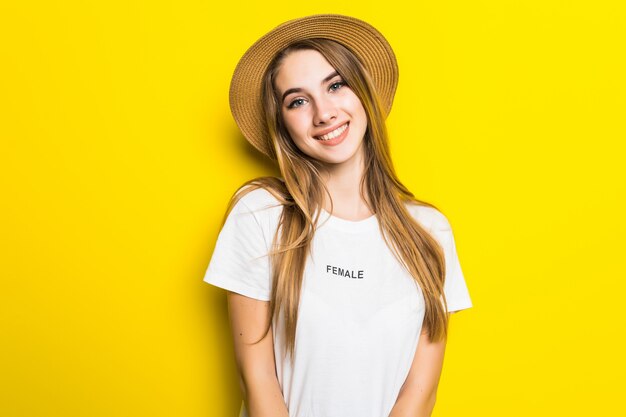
column 340, row 282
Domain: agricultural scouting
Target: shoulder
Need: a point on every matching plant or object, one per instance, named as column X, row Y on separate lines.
column 258, row 202
column 258, row 198
column 429, row 217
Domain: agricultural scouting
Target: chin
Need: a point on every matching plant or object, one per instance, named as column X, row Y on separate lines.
column 344, row 156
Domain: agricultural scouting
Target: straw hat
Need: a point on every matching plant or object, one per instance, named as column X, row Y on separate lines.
column 365, row 41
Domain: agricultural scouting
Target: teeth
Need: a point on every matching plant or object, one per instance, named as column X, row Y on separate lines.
column 333, row 134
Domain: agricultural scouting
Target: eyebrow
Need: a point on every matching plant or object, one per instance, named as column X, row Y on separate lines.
column 297, row 90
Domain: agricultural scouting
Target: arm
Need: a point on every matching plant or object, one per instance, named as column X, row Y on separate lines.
column 419, row 391
column 255, row 363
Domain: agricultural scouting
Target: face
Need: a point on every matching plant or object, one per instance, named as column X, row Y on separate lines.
column 323, row 116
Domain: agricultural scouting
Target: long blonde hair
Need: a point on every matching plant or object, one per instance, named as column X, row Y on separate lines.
column 301, row 188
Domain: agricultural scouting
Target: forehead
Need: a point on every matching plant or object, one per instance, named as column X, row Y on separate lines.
column 302, row 68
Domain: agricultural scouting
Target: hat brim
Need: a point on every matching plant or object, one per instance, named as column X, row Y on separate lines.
column 365, row 41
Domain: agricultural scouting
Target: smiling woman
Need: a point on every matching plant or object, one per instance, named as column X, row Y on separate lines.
column 340, row 282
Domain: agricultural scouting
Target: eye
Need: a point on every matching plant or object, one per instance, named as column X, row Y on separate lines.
column 338, row 83
column 293, row 103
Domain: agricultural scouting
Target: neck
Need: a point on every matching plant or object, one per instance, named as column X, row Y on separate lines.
column 343, row 183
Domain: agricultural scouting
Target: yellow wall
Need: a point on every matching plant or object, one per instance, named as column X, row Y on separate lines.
column 119, row 153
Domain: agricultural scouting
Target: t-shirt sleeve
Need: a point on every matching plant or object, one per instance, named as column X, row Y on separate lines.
column 240, row 261
column 455, row 287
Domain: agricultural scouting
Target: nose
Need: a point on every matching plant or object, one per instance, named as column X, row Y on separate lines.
column 325, row 111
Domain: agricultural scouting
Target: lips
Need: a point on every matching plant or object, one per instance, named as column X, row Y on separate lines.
column 331, row 134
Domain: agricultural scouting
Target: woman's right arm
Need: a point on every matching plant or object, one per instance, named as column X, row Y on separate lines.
column 255, row 362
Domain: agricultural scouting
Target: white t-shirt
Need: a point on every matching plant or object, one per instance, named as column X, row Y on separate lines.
column 360, row 312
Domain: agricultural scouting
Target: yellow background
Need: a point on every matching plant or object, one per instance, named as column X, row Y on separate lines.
column 119, row 154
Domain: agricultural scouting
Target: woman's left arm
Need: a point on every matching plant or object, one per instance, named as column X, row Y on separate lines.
column 419, row 391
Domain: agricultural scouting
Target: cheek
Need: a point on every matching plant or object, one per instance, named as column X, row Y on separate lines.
column 360, row 111
column 298, row 132
column 353, row 104
column 295, row 125
column 358, row 107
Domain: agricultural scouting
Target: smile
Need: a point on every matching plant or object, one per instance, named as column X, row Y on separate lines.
column 335, row 133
